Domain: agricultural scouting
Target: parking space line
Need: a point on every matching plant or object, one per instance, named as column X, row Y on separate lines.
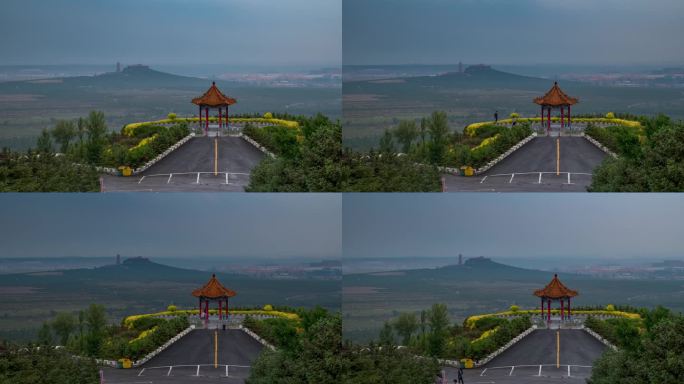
column 483, row 179
column 539, row 374
column 197, row 374
column 141, row 372
column 169, row 372
column 512, row 176
column 198, row 174
column 540, row 176
column 141, row 179
column 568, row 370
column 170, row 176
column 483, row 372
column 511, row 372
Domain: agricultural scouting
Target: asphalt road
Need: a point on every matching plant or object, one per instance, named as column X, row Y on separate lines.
column 178, row 172
column 520, row 172
column 191, row 360
column 533, row 360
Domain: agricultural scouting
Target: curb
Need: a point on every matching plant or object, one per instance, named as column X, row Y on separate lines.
column 600, row 338
column 599, row 145
column 164, row 154
column 257, row 145
column 163, row 347
column 504, row 155
column 257, row 338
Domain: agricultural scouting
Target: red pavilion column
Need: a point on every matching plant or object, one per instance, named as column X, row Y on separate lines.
column 542, row 117
column 541, row 313
column 226, row 308
column 562, row 117
column 562, row 309
column 206, row 122
column 220, row 310
column 206, row 310
column 548, row 313
column 199, row 313
column 548, row 121
column 568, row 298
column 200, row 115
column 569, row 125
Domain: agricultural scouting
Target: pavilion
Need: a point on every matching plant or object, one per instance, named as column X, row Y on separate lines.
column 213, row 98
column 555, row 98
column 555, row 291
column 213, row 291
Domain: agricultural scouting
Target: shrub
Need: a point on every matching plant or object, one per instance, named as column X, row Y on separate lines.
column 171, row 308
column 610, row 115
column 514, row 115
column 171, row 116
column 514, row 308
column 268, row 115
column 268, row 307
column 610, row 308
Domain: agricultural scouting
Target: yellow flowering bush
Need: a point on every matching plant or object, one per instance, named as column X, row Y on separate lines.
column 471, row 130
column 485, row 334
column 486, row 142
column 171, row 308
column 610, row 308
column 610, row 115
column 268, row 307
column 129, row 129
column 470, row 321
column 171, row 116
column 144, row 142
column 268, row 115
column 128, row 322
column 143, row 334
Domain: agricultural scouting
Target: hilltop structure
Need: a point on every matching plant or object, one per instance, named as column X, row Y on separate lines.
column 213, row 98
column 555, row 291
column 555, row 98
column 213, row 291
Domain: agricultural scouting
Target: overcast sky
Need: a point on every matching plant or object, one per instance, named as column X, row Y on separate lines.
column 240, row 32
column 171, row 225
column 610, row 32
column 514, row 225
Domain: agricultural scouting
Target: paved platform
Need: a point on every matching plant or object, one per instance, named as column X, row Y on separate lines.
column 532, row 168
column 190, row 168
column 533, row 360
column 191, row 360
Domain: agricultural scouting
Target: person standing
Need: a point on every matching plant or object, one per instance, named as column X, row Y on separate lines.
column 496, row 116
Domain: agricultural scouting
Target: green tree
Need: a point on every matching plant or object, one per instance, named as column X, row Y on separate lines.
column 438, row 319
column 63, row 132
column 30, row 365
column 406, row 325
column 96, row 129
column 386, row 143
column 406, row 133
column 96, row 321
column 439, row 130
column 63, row 325
column 44, row 143
column 386, row 335
column 45, row 335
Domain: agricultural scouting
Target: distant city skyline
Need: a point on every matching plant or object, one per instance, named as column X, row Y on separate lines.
column 514, row 226
column 608, row 32
column 174, row 225
column 237, row 32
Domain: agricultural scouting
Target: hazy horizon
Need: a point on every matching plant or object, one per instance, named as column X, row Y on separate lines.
column 630, row 32
column 514, row 226
column 230, row 32
column 275, row 226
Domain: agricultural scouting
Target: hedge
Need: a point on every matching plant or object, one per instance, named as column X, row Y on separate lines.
column 472, row 320
column 129, row 129
column 129, row 321
column 471, row 130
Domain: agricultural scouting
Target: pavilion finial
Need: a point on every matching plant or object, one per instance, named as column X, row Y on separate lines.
column 213, row 275
column 555, row 275
column 555, row 83
column 213, row 83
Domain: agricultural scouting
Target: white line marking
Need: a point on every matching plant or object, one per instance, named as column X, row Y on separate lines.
column 539, row 374
column 512, row 176
column 569, row 178
column 169, row 372
column 197, row 182
column 540, row 175
column 483, row 372
column 226, row 178
column 568, row 371
column 483, row 179
column 511, row 372
column 197, row 374
column 226, row 371
column 141, row 372
column 170, row 176
column 141, row 179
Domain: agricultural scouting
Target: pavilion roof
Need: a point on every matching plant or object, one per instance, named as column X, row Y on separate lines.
column 214, row 98
column 555, row 290
column 213, row 289
column 555, row 97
